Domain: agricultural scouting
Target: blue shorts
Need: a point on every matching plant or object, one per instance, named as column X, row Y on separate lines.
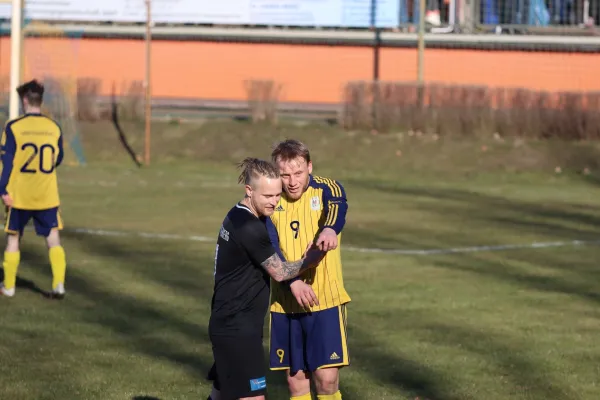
column 309, row 341
column 43, row 220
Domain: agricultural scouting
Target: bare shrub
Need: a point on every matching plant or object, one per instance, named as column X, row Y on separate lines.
column 263, row 99
column 88, row 92
column 471, row 110
column 357, row 108
column 131, row 102
column 592, row 109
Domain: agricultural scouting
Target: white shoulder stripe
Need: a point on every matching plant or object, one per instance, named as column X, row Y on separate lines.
column 244, row 208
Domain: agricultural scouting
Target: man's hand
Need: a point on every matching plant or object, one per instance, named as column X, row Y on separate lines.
column 7, row 200
column 327, row 240
column 304, row 294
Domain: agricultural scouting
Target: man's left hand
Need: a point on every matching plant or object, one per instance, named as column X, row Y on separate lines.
column 327, row 240
column 7, row 200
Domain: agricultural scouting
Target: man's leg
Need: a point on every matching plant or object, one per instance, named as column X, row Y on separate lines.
column 327, row 383
column 58, row 262
column 15, row 222
column 287, row 353
column 327, row 350
column 240, row 366
column 12, row 257
column 299, row 385
column 214, row 394
column 47, row 224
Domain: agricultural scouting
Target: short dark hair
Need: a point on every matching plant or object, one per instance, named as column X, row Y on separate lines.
column 33, row 91
column 253, row 168
column 290, row 149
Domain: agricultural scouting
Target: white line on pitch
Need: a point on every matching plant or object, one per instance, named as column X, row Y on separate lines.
column 418, row 252
column 476, row 249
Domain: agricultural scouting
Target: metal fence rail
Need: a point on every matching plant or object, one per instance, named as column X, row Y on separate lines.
column 577, row 17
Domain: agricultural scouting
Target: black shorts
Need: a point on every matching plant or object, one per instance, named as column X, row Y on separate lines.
column 241, row 367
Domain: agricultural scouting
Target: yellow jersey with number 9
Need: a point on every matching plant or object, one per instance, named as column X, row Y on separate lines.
column 32, row 148
column 298, row 223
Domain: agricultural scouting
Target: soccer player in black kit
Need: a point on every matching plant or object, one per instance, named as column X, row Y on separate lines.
column 245, row 260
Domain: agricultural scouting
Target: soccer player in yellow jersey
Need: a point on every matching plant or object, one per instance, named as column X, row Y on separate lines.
column 32, row 148
column 308, row 314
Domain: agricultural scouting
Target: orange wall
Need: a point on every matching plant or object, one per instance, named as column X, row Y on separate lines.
column 308, row 73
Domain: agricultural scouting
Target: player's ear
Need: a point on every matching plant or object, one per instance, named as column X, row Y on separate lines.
column 310, row 167
column 249, row 191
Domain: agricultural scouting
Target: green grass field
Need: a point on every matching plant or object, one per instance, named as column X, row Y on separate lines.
column 514, row 324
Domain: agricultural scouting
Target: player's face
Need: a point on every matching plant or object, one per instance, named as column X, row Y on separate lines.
column 294, row 176
column 265, row 195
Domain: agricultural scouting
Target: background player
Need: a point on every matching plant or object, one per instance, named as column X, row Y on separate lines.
column 32, row 148
column 308, row 316
column 244, row 261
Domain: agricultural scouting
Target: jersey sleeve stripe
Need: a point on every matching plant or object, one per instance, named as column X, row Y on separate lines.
column 331, row 185
column 336, row 188
column 329, row 219
column 332, row 215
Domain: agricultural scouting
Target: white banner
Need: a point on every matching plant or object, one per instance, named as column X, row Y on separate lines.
column 342, row 13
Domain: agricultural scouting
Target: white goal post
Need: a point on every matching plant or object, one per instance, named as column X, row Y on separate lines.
column 17, row 35
column 16, row 47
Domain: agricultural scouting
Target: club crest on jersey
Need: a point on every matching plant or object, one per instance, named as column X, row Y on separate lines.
column 315, row 203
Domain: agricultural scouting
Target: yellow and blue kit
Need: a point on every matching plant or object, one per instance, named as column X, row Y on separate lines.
column 32, row 148
column 313, row 338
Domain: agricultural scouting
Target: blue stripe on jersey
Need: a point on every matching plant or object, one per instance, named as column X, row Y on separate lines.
column 8, row 154
column 334, row 202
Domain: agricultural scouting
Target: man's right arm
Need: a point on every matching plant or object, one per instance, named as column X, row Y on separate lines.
column 284, row 270
column 255, row 238
column 9, row 149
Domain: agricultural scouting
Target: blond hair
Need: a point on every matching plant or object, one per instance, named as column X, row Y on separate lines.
column 290, row 149
column 254, row 168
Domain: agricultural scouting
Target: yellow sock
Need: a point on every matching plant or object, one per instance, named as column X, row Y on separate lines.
column 306, row 396
column 58, row 263
column 11, row 264
column 336, row 396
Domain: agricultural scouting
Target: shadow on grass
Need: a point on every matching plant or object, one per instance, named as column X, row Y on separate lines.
column 144, row 398
column 544, row 271
column 565, row 221
column 407, row 376
column 506, row 353
column 142, row 324
column 177, row 268
column 133, row 318
column 26, row 284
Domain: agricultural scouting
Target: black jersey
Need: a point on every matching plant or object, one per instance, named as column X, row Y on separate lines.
column 241, row 292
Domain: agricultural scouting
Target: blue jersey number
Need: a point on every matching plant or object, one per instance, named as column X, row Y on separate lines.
column 44, row 151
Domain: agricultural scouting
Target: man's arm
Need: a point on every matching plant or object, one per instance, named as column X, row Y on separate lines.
column 336, row 206
column 284, row 270
column 255, row 239
column 275, row 241
column 61, row 151
column 9, row 148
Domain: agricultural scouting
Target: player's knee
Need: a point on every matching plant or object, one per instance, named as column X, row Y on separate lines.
column 298, row 383
column 327, row 381
column 53, row 239
column 12, row 243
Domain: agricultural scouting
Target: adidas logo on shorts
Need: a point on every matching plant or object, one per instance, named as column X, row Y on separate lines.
column 334, row 356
